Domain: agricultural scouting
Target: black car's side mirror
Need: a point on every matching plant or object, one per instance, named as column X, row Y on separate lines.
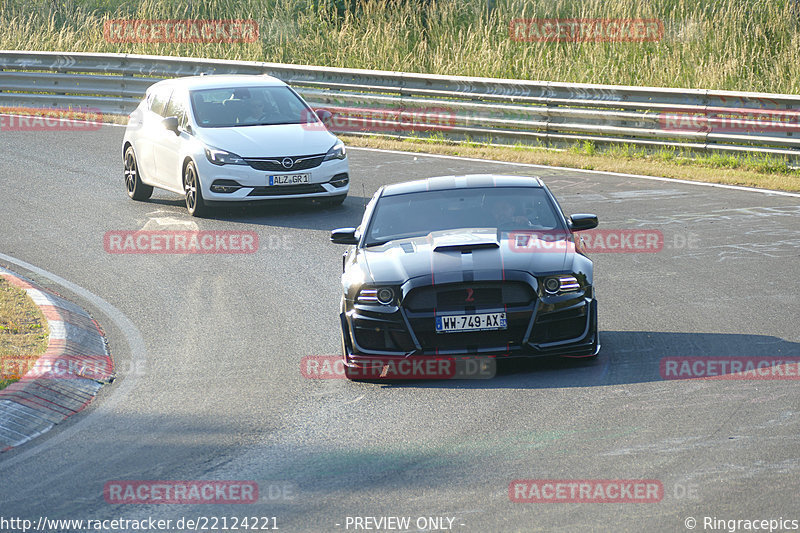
column 344, row 236
column 582, row 222
column 171, row 123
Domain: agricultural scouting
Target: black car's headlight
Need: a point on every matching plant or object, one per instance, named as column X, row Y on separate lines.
column 381, row 295
column 221, row 157
column 561, row 284
column 336, row 152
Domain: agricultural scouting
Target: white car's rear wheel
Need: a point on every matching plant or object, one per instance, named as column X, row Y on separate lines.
column 133, row 182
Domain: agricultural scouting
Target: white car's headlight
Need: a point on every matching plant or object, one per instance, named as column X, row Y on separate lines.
column 336, row 152
column 221, row 157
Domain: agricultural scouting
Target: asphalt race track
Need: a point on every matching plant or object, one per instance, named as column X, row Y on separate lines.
column 208, row 351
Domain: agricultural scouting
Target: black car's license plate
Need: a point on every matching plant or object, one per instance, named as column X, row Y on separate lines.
column 473, row 322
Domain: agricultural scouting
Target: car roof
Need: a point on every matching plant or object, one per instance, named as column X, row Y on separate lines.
column 467, row 181
column 222, row 81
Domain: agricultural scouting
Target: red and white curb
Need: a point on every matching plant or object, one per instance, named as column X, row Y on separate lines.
column 64, row 379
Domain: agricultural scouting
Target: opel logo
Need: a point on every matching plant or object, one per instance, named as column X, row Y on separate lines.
column 287, row 162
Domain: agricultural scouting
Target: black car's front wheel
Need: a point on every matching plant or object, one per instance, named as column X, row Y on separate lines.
column 137, row 190
column 192, row 191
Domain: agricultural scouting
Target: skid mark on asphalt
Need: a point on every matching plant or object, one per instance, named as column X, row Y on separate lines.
column 624, row 196
column 724, row 215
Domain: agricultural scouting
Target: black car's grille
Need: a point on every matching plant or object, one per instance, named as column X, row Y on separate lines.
column 478, row 296
column 559, row 326
column 456, row 296
column 515, row 297
column 279, row 190
column 302, row 162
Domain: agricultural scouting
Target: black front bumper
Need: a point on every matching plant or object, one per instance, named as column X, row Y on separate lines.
column 563, row 325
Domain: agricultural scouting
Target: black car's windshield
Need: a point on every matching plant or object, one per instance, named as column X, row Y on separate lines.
column 505, row 208
column 249, row 106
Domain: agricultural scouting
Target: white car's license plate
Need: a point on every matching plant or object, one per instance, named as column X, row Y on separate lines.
column 289, row 179
column 476, row 322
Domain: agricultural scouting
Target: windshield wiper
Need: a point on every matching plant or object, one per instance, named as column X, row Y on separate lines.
column 377, row 243
column 271, row 123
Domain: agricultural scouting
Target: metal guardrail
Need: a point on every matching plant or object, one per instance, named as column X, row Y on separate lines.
column 490, row 110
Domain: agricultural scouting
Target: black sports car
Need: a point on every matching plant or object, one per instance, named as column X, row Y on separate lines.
column 477, row 265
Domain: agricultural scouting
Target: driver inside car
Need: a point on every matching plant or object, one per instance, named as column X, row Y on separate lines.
column 255, row 110
column 504, row 215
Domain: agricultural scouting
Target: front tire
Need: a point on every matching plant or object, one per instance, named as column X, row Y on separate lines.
column 137, row 190
column 192, row 191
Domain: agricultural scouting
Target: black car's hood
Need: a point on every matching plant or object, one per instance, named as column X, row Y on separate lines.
column 479, row 250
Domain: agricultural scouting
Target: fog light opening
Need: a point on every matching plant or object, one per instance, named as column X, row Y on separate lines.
column 340, row 180
column 225, row 186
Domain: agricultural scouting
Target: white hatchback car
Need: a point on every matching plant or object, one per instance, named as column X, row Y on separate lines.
column 231, row 138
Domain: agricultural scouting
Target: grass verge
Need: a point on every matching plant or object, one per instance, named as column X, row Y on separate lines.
column 23, row 333
column 765, row 172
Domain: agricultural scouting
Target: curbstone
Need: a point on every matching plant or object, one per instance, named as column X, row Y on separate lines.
column 44, row 398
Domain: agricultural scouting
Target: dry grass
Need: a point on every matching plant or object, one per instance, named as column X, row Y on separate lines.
column 765, row 173
column 23, row 332
column 751, row 45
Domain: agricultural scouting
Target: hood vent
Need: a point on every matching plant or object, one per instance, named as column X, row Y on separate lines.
column 464, row 241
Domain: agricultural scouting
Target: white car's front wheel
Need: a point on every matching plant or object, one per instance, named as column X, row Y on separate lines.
column 192, row 191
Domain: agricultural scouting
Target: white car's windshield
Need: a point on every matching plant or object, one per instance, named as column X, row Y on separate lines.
column 249, row 106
